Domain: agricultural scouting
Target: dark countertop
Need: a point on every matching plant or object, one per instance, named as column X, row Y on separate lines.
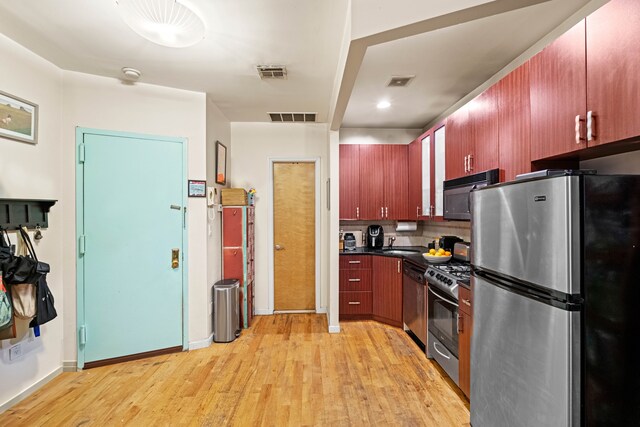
column 414, row 258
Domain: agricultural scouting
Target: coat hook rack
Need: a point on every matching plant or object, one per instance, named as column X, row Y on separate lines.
column 30, row 213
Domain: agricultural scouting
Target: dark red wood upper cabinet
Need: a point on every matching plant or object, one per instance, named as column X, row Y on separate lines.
column 483, row 115
column 558, row 95
column 459, row 144
column 415, row 179
column 372, row 164
column 387, row 289
column 515, row 123
column 396, row 181
column 349, row 181
column 613, row 71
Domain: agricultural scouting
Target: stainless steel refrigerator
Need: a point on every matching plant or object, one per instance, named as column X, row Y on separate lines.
column 556, row 282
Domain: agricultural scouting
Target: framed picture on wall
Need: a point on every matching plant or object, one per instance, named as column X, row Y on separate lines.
column 18, row 119
column 221, row 163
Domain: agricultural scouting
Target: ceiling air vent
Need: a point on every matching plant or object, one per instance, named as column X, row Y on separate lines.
column 400, row 81
column 272, row 71
column 293, row 117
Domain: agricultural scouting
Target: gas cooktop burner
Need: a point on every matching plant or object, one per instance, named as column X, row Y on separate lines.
column 447, row 276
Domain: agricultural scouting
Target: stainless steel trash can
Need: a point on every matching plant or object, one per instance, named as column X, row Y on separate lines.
column 226, row 317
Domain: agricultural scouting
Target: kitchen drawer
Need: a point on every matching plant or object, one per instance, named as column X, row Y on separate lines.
column 355, row 302
column 355, row 280
column 350, row 262
column 465, row 299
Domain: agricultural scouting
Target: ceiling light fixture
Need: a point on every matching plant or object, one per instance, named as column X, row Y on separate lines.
column 164, row 22
column 383, row 104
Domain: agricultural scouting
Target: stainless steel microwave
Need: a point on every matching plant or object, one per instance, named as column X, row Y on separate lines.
column 457, row 197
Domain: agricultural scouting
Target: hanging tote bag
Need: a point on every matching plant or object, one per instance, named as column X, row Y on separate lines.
column 24, row 279
column 45, row 307
column 6, row 311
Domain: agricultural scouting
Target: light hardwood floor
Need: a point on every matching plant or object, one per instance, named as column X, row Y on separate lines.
column 285, row 370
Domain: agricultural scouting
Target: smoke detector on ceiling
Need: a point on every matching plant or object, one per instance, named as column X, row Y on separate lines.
column 272, row 71
column 400, row 81
column 293, row 117
column 131, row 74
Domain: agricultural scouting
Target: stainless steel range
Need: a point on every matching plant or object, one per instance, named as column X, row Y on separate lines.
column 442, row 336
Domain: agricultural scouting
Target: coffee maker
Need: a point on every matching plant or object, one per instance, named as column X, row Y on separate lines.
column 375, row 237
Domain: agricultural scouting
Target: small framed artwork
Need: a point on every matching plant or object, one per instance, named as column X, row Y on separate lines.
column 221, row 163
column 18, row 119
column 197, row 188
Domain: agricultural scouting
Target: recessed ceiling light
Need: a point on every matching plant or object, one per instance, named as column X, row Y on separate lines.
column 383, row 104
column 164, row 22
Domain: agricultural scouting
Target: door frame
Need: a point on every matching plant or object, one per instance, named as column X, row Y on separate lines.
column 80, row 314
column 271, row 229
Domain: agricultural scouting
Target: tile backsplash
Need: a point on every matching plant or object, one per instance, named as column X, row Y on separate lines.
column 426, row 231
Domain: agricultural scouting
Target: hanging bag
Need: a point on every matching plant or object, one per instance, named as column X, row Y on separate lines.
column 46, row 310
column 25, row 278
column 6, row 311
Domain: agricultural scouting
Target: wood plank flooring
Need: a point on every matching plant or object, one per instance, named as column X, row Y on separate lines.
column 284, row 370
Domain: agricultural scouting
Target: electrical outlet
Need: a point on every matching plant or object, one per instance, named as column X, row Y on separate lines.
column 15, row 352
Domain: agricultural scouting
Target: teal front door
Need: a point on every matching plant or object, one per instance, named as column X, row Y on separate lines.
column 131, row 235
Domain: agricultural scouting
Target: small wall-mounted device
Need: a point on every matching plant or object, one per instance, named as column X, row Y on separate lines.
column 212, row 195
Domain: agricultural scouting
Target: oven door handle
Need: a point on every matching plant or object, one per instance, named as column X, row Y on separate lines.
column 435, row 347
column 447, row 300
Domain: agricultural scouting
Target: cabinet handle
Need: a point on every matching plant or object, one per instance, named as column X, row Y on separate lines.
column 459, row 324
column 354, row 262
column 386, row 212
column 590, row 122
column 432, row 211
column 358, row 212
column 354, row 280
column 354, row 302
column 467, row 302
column 470, row 163
column 465, row 164
column 579, row 137
column 381, row 212
column 398, row 266
column 417, row 211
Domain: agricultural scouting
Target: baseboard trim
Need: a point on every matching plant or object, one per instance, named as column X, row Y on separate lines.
column 263, row 312
column 322, row 310
column 334, row 329
column 197, row 345
column 29, row 390
column 69, row 366
column 131, row 357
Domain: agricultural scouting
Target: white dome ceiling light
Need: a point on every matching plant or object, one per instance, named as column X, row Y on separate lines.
column 131, row 74
column 164, row 22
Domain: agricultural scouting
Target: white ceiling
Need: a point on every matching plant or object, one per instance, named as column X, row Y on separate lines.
column 305, row 35
column 448, row 64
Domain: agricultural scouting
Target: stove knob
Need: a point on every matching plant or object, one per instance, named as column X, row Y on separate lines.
column 431, row 273
column 438, row 276
column 449, row 281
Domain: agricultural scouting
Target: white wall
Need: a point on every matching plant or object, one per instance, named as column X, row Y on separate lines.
column 218, row 129
column 378, row 136
column 626, row 163
column 253, row 145
column 104, row 103
column 33, row 171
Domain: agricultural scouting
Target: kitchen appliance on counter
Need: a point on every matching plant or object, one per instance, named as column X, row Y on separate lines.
column 349, row 242
column 457, row 204
column 447, row 242
column 555, row 279
column 442, row 310
column 414, row 302
column 375, row 237
column 462, row 251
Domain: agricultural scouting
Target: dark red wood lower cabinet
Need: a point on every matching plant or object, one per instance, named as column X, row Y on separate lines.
column 465, row 326
column 387, row 290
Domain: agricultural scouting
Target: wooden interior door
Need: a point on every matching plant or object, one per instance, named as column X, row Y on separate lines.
column 349, row 181
column 613, row 80
column 558, row 94
column 294, row 236
column 396, row 182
